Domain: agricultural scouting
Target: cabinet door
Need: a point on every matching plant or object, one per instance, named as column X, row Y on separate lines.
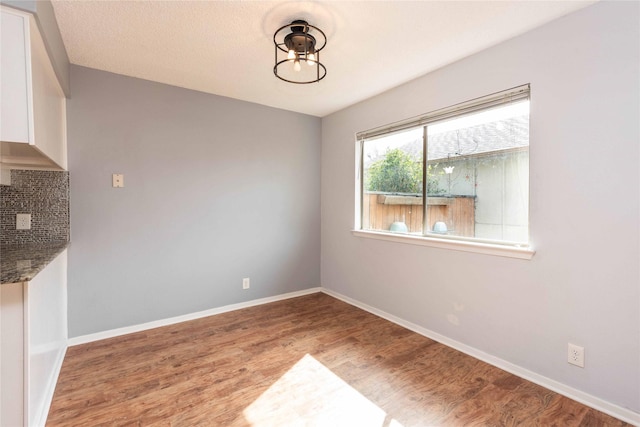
column 12, row 355
column 33, row 103
column 16, row 115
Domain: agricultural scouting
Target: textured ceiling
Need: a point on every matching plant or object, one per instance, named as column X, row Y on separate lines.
column 226, row 47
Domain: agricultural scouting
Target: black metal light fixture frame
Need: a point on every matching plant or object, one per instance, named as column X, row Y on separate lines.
column 305, row 46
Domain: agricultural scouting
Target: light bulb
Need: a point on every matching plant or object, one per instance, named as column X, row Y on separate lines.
column 292, row 54
column 296, row 65
column 311, row 58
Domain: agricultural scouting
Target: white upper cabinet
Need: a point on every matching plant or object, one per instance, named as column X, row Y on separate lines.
column 33, row 116
column 15, row 73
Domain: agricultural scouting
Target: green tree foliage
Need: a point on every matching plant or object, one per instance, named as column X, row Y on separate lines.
column 399, row 172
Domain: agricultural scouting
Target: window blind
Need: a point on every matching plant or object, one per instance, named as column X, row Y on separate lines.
column 513, row 95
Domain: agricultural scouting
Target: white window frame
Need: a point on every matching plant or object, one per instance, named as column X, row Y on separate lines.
column 506, row 249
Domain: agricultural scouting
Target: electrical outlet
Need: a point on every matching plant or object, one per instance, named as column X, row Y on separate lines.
column 576, row 355
column 23, row 221
column 246, row 283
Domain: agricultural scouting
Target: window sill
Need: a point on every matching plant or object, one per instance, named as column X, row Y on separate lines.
column 456, row 245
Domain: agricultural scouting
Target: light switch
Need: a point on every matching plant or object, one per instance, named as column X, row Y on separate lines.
column 118, row 180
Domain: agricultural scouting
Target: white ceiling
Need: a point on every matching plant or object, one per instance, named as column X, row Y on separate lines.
column 226, row 47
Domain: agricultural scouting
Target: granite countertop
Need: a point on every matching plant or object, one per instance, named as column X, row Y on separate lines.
column 22, row 263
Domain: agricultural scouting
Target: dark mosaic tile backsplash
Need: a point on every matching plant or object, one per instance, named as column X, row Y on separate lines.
column 43, row 194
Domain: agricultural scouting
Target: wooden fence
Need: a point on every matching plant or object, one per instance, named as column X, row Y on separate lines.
column 380, row 210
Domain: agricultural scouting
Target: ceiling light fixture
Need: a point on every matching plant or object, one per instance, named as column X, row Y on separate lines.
column 303, row 43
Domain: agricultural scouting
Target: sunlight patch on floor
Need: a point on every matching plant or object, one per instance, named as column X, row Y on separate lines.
column 309, row 394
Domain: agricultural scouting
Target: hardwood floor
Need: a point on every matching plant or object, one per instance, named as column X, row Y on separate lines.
column 307, row 361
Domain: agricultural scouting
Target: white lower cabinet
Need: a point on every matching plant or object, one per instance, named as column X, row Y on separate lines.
column 33, row 342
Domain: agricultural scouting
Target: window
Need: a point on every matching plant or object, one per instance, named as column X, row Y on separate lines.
column 461, row 173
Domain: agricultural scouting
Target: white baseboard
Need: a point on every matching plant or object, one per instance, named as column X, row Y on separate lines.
column 43, row 412
column 601, row 405
column 83, row 339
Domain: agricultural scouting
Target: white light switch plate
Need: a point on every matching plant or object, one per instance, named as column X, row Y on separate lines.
column 118, row 180
column 23, row 221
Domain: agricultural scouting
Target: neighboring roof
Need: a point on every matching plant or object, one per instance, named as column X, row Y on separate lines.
column 489, row 137
column 507, row 134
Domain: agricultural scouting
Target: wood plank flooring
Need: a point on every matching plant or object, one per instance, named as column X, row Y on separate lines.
column 307, row 361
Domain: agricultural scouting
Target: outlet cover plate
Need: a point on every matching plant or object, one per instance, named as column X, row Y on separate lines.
column 23, row 221
column 575, row 355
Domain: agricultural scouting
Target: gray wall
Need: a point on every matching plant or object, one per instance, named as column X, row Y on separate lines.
column 30, row 6
column 215, row 190
column 583, row 284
